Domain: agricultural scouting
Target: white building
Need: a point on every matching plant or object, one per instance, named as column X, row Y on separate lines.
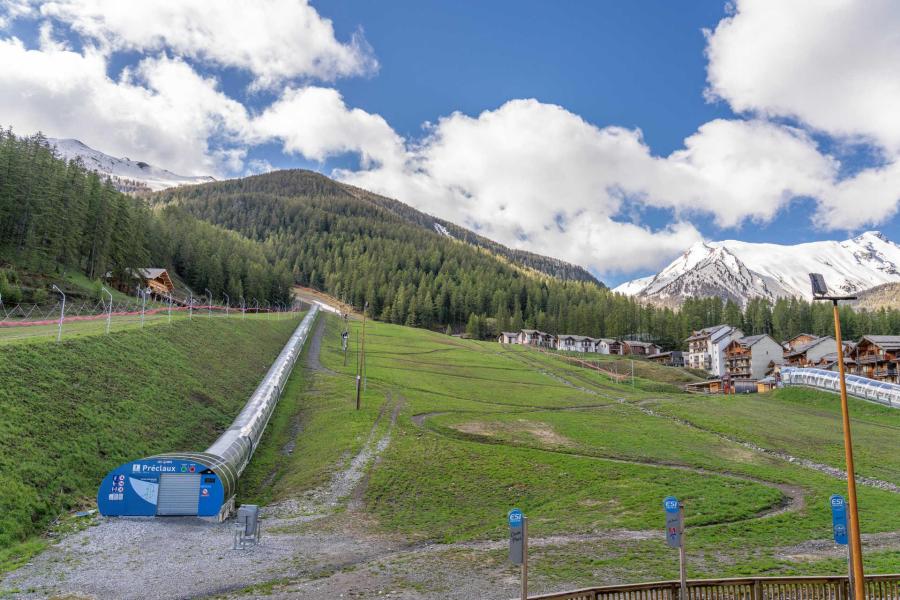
column 706, row 348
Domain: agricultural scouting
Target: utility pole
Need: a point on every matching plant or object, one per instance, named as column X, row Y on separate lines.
column 227, row 302
column 208, row 303
column 191, row 307
column 109, row 309
column 170, row 309
column 365, row 378
column 358, row 375
column 243, row 308
column 820, row 292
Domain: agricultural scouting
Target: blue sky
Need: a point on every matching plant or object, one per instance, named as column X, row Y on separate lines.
column 611, row 134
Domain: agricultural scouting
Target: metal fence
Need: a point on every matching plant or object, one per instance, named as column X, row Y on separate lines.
column 20, row 322
column 878, row 587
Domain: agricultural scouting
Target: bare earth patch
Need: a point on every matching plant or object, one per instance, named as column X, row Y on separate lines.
column 542, row 432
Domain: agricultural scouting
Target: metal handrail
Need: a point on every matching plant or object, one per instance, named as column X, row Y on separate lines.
column 835, row 587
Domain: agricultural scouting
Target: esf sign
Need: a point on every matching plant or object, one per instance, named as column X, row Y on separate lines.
column 515, row 518
column 839, row 519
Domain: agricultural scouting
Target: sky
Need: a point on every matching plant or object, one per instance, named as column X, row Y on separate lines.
column 610, row 134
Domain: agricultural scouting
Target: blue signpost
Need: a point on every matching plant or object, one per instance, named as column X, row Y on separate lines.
column 518, row 544
column 839, row 529
column 839, row 519
column 675, row 536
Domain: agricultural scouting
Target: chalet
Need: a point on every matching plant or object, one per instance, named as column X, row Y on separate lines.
column 750, row 357
column 533, row 337
column 639, row 348
column 801, row 339
column 575, row 343
column 157, row 280
column 508, row 337
column 706, row 348
column 674, row 358
column 807, row 355
column 877, row 357
column 607, row 346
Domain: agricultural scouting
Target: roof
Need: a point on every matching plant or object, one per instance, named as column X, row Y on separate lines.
column 750, row 340
column 802, row 349
column 574, row 337
column 151, row 272
column 644, row 344
column 509, row 333
column 664, row 354
column 709, row 332
column 802, row 335
column 885, row 342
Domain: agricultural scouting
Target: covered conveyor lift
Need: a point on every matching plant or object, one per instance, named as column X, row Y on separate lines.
column 203, row 483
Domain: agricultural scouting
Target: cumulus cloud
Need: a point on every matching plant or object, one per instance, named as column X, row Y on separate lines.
column 315, row 122
column 161, row 110
column 536, row 176
column 830, row 64
column 275, row 40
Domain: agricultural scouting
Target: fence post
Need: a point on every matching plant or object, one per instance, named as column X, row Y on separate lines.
column 757, row 590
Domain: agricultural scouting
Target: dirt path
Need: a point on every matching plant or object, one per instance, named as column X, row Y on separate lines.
column 315, row 347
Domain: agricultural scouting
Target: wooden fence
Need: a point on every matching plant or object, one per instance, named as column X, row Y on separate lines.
column 878, row 587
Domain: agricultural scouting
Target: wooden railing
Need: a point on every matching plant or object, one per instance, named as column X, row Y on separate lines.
column 878, row 587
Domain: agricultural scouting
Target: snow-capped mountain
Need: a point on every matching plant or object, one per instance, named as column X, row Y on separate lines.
column 127, row 175
column 742, row 270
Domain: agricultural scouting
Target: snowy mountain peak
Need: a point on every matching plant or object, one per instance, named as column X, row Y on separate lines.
column 127, row 175
column 740, row 271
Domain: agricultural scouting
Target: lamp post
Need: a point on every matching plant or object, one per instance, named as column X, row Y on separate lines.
column 227, row 302
column 62, row 313
column 208, row 303
column 820, row 292
column 108, row 310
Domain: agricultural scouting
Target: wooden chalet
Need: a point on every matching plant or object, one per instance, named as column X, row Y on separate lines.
column 877, row 357
column 801, row 339
column 673, row 358
column 639, row 348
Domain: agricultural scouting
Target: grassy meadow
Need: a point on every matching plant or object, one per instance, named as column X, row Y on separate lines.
column 484, row 428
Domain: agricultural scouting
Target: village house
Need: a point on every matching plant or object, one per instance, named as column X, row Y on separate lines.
column 508, row 337
column 877, row 357
column 829, row 362
column 750, row 357
column 706, row 348
column 673, row 358
column 533, row 337
column 607, row 346
column 575, row 343
column 639, row 348
column 807, row 355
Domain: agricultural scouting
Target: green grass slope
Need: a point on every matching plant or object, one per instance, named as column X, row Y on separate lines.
column 74, row 410
column 484, row 428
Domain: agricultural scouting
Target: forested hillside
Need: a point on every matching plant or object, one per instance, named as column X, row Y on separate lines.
column 55, row 217
column 363, row 251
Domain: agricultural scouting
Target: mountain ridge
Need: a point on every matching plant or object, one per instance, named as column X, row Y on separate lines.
column 740, row 271
column 127, row 175
column 303, row 182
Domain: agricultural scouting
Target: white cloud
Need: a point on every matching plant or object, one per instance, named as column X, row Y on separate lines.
column 536, row 176
column 161, row 111
column 275, row 40
column 316, row 123
column 832, row 65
